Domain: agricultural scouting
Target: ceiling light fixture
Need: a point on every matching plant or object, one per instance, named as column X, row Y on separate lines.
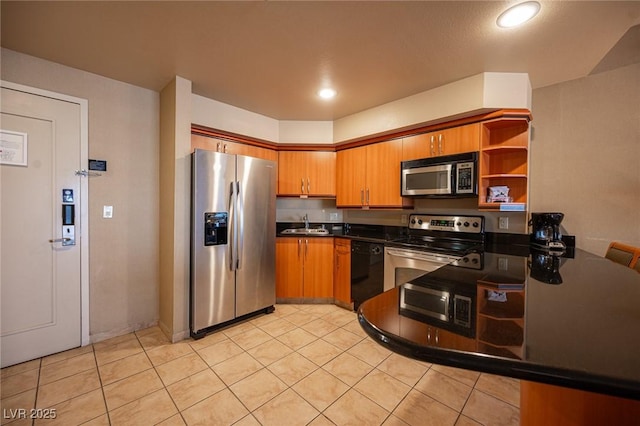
column 518, row 14
column 327, row 93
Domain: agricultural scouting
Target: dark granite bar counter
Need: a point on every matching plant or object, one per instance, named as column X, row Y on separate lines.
column 567, row 321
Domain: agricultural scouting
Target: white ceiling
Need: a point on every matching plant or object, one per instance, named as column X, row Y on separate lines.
column 271, row 57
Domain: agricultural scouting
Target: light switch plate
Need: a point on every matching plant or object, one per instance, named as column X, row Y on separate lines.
column 107, row 212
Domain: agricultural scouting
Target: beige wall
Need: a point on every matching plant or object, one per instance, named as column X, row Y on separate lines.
column 124, row 130
column 175, row 208
column 585, row 153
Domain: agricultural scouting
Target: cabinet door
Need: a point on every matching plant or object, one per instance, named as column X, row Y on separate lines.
column 292, row 172
column 289, row 269
column 318, row 267
column 451, row 340
column 460, row 139
column 416, row 147
column 342, row 271
column 383, row 174
column 250, row 151
column 205, row 142
column 321, row 173
column 350, row 173
column 221, row 145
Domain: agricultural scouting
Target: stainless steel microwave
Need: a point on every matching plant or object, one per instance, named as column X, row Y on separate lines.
column 448, row 176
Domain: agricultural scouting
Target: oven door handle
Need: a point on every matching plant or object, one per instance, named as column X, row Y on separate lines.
column 421, row 256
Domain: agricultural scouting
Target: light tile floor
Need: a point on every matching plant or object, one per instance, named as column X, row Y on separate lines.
column 303, row 364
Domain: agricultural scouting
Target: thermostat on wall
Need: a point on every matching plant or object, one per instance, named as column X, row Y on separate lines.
column 99, row 165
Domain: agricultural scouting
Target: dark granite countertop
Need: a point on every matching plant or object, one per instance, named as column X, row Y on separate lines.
column 582, row 332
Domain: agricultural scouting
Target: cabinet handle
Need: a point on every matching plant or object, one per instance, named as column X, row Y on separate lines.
column 440, row 144
column 367, row 196
column 437, row 337
column 225, row 147
column 299, row 246
column 362, row 197
column 308, row 186
column 302, row 185
column 218, row 147
column 429, row 334
column 306, row 248
column 432, row 147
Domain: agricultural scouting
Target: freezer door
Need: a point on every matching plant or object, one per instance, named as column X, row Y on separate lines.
column 212, row 275
column 255, row 276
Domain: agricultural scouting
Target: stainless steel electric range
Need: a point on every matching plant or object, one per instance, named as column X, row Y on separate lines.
column 433, row 241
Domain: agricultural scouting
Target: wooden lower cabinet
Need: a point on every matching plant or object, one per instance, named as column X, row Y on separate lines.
column 542, row 404
column 304, row 268
column 429, row 335
column 342, row 273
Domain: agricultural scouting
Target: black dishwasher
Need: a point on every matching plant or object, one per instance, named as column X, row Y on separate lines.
column 367, row 271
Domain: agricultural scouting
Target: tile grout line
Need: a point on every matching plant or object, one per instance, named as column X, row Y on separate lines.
column 104, row 397
column 314, row 315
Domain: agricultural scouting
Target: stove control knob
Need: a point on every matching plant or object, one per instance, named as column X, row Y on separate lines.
column 476, row 224
column 466, row 224
column 465, row 259
column 419, row 221
column 413, row 221
column 458, row 223
column 474, row 261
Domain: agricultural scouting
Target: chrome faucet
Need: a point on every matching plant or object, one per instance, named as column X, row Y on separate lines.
column 306, row 220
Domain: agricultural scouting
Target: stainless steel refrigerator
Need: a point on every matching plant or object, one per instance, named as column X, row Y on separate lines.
column 232, row 238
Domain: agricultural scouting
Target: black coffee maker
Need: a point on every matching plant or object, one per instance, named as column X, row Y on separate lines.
column 545, row 231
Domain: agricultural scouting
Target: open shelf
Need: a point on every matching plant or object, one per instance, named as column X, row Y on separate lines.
column 504, row 157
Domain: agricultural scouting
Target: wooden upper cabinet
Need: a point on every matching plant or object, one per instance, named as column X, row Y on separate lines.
column 350, row 177
column 454, row 140
column 222, row 145
column 460, row 139
column 310, row 173
column 383, row 174
column 369, row 176
column 416, row 147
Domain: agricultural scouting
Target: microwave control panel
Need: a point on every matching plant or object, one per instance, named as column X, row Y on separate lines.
column 465, row 178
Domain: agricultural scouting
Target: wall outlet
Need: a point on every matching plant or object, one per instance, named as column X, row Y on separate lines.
column 503, row 222
column 333, row 216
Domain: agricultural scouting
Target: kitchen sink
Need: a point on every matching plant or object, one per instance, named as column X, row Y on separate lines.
column 306, row 231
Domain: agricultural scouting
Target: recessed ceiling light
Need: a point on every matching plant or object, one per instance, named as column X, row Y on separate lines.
column 518, row 14
column 327, row 93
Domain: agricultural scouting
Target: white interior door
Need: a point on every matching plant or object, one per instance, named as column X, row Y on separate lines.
column 40, row 255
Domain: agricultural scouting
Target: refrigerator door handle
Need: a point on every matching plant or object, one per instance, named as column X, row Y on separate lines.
column 240, row 225
column 232, row 226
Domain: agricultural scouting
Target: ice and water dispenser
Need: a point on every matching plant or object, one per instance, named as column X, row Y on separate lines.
column 215, row 228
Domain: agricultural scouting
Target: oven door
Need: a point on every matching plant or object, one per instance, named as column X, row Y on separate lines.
column 403, row 265
column 429, row 180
